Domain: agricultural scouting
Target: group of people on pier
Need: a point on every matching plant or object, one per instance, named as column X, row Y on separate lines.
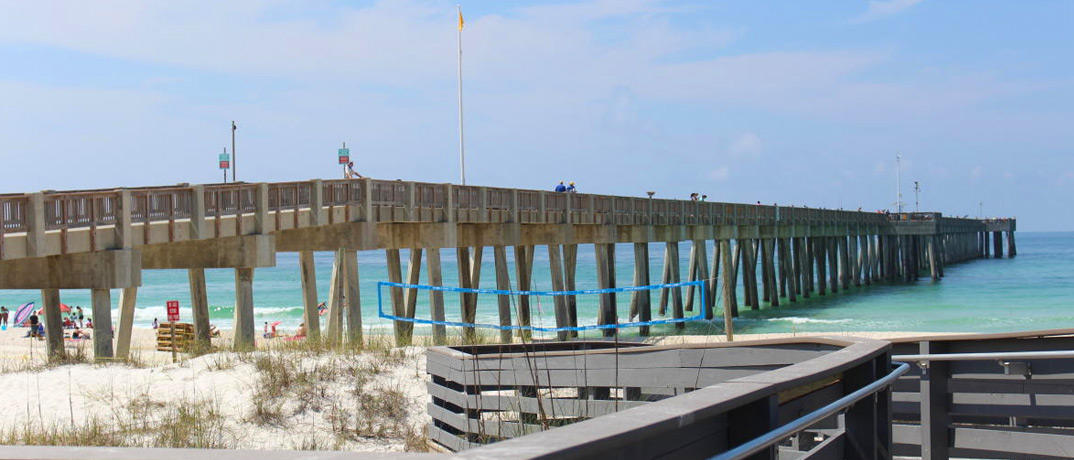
column 565, row 188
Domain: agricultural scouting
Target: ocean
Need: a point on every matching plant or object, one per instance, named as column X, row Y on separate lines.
column 1031, row 291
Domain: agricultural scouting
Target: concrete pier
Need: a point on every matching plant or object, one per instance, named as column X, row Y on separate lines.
column 101, row 240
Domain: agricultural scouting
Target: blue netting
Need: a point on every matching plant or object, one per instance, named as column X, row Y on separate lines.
column 515, row 295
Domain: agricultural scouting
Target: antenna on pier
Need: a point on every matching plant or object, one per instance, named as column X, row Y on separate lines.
column 898, row 183
column 917, row 196
column 980, row 212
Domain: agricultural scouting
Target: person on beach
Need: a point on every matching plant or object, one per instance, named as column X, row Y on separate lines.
column 3, row 315
column 560, row 187
column 351, row 173
column 34, row 323
column 78, row 311
column 213, row 331
column 156, row 323
column 89, row 323
column 270, row 331
column 301, row 331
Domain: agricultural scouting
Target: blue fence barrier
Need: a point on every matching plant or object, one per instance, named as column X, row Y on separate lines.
column 381, row 285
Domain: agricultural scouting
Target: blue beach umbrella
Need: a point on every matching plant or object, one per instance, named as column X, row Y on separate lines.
column 23, row 313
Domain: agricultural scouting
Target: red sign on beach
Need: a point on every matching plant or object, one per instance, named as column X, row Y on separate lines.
column 173, row 310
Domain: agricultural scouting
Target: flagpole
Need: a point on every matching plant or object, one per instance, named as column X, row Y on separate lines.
column 462, row 145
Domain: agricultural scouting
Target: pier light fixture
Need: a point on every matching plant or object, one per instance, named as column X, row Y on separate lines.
column 650, row 193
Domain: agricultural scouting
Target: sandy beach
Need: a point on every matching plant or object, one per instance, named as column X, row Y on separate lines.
column 279, row 397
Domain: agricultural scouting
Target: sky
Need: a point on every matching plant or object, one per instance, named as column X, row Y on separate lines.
column 780, row 101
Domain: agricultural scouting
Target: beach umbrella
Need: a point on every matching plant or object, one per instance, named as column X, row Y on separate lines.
column 23, row 313
column 64, row 308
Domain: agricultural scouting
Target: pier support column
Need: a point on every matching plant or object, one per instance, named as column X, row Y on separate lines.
column 555, row 264
column 673, row 277
column 845, row 267
column 50, row 298
column 244, row 308
column 736, row 262
column 809, row 244
column 102, row 324
column 766, row 259
column 353, row 297
column 798, row 253
column 781, row 266
column 470, row 278
column 769, row 267
column 710, row 282
column 503, row 283
column 410, row 295
column 832, row 249
column 199, row 305
column 641, row 301
column 436, row 298
column 934, row 268
column 691, row 275
column 1011, row 251
column 703, row 275
column 728, row 288
column 821, row 256
column 127, row 298
column 997, row 240
column 310, row 315
column 570, row 271
column 787, row 270
column 749, row 273
column 524, row 273
column 606, row 279
column 665, row 278
column 395, row 275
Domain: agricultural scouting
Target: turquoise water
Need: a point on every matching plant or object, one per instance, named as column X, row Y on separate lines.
column 1031, row 291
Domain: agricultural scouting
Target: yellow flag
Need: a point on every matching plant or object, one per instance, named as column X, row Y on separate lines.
column 460, row 19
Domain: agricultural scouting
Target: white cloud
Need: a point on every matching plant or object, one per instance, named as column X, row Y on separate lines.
column 746, row 145
column 882, row 9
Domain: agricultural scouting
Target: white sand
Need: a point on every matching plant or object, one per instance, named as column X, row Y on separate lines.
column 75, row 393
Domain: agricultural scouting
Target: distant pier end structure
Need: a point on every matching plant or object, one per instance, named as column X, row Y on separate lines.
column 103, row 239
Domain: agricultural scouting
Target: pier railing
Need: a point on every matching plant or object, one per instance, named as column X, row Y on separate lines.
column 290, row 205
column 602, row 400
column 986, row 396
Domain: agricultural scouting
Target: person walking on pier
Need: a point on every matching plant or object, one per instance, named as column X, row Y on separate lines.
column 560, row 187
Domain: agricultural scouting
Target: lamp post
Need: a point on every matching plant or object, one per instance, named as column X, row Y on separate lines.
column 917, row 197
column 235, row 159
column 898, row 183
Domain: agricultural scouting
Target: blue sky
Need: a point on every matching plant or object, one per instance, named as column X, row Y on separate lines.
column 783, row 101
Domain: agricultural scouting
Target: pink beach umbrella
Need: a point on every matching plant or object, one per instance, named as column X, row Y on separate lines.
column 23, row 313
